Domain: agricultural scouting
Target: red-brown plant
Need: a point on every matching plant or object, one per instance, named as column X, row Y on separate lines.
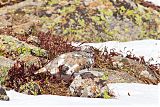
column 19, row 75
column 56, row 45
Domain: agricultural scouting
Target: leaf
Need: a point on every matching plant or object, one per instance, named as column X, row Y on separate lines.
column 105, row 76
column 102, row 17
column 95, row 18
column 138, row 19
column 122, row 9
column 81, row 22
column 129, row 12
column 106, row 96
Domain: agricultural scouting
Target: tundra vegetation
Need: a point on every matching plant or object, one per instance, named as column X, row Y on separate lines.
column 46, row 29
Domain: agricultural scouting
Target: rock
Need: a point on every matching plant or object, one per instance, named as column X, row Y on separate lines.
column 23, row 29
column 122, row 22
column 6, row 62
column 10, row 44
column 112, row 76
column 87, row 2
column 26, row 3
column 87, row 48
column 149, row 77
column 49, row 13
column 134, row 68
column 72, row 62
column 118, row 76
column 5, row 65
column 6, row 2
column 2, row 91
column 97, row 72
column 42, row 13
column 29, row 60
column 31, row 88
column 3, row 95
column 141, row 71
column 3, row 22
column 129, row 3
column 90, row 84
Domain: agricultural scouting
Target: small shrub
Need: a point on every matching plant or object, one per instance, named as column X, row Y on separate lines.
column 22, row 79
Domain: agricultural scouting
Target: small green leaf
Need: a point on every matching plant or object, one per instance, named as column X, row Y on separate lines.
column 81, row 22
column 105, row 76
column 106, row 96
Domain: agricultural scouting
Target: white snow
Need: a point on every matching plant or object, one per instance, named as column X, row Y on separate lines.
column 140, row 95
column 156, row 2
column 150, row 49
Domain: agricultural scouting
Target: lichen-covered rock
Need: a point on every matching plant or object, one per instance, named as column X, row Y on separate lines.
column 13, row 46
column 112, row 76
column 70, row 62
column 87, row 48
column 6, row 2
column 3, row 95
column 30, row 60
column 3, row 22
column 86, row 20
column 101, row 20
column 90, row 84
column 6, row 62
column 5, row 65
column 31, row 88
column 135, row 68
column 118, row 76
column 95, row 71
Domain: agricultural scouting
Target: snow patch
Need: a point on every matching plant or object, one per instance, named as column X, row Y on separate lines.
column 140, row 94
column 150, row 49
column 156, row 2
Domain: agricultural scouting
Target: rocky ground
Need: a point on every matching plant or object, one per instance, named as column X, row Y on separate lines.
column 36, row 55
